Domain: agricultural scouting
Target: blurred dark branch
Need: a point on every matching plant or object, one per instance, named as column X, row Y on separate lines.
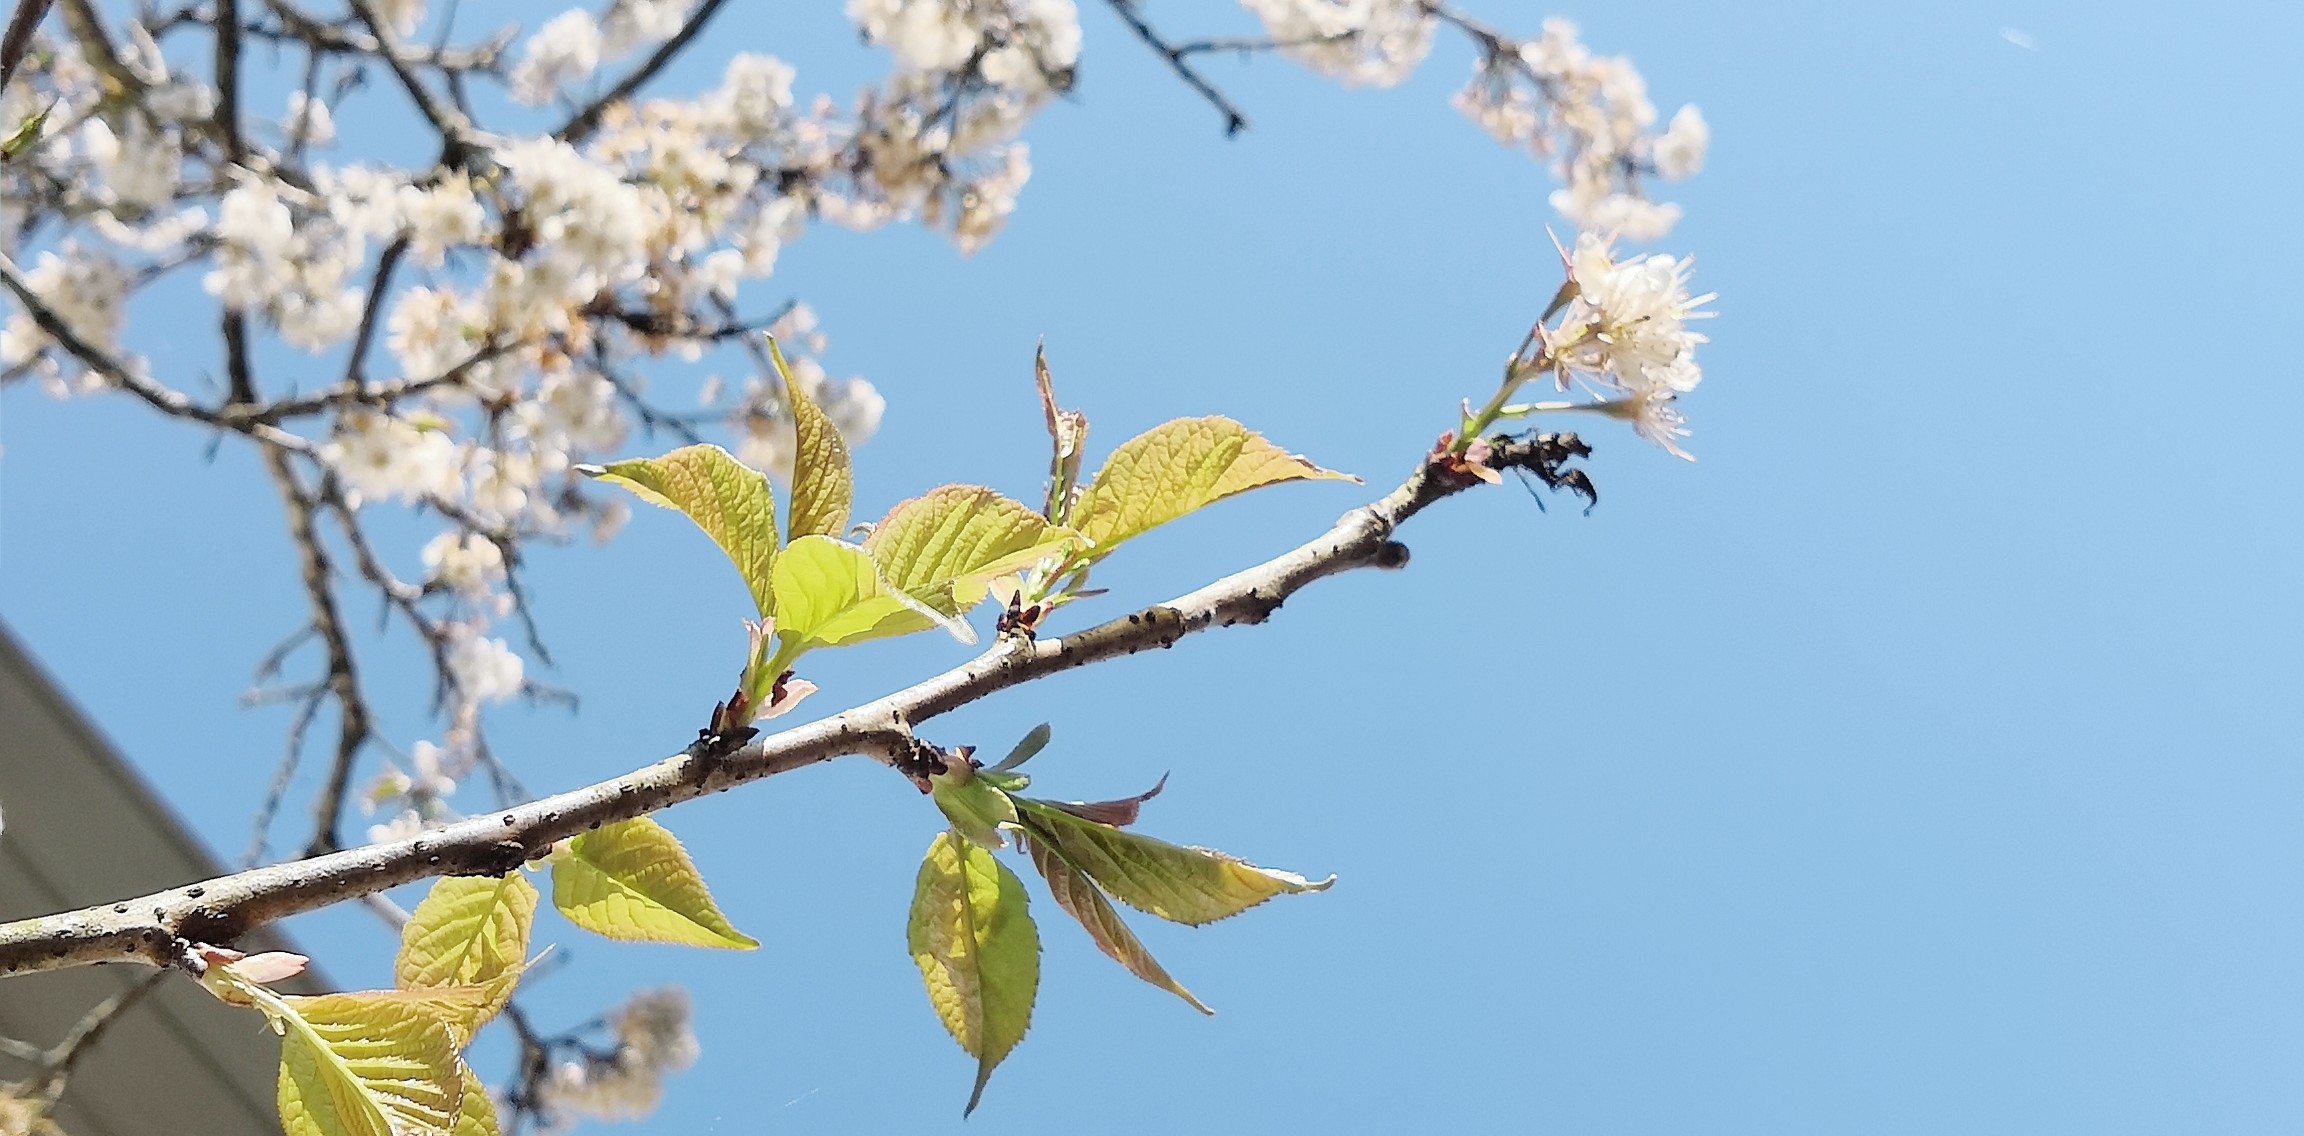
column 586, row 120
column 1176, row 55
column 342, row 676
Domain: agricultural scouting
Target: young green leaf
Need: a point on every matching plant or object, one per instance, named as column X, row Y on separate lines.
column 822, row 483
column 357, row 1066
column 829, row 593
column 468, row 931
column 632, row 880
column 945, row 547
column 1183, row 885
column 978, row 952
column 1079, row 896
column 1067, row 441
column 729, row 500
column 1178, row 467
column 974, row 805
column 475, row 1113
column 26, row 133
column 1027, row 747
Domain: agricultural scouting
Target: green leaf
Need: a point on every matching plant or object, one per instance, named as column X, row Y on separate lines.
column 974, row 804
column 1026, row 748
column 822, row 483
column 1078, row 895
column 632, row 880
column 469, row 931
column 25, row 134
column 464, row 1009
column 729, row 500
column 829, row 593
column 352, row 1065
column 1178, row 467
column 1183, row 885
column 978, row 952
column 475, row 1113
column 946, row 546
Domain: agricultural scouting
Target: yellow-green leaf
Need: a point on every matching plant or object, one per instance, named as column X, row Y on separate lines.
column 463, row 1008
column 25, row 134
column 978, row 953
column 1079, row 895
column 1184, row 885
column 829, row 593
column 475, row 1113
column 975, row 806
column 822, row 483
column 1177, row 467
column 468, row 931
column 352, row 1065
column 944, row 547
column 729, row 500
column 632, row 880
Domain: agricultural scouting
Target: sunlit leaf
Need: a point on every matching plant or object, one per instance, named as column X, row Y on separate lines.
column 829, row 593
column 729, row 500
column 1177, row 467
column 475, row 1113
column 352, row 1065
column 1079, row 896
column 978, row 952
column 1185, row 885
column 945, row 547
column 822, row 483
column 632, row 880
column 464, row 1008
column 469, row 931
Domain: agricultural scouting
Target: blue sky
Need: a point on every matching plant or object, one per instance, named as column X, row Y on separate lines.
column 1922, row 759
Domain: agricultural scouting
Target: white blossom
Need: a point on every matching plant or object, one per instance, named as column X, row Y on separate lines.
column 467, row 563
column 1368, row 42
column 565, row 50
column 631, row 23
column 654, row 1035
column 1627, row 327
column 485, row 670
column 309, row 119
column 1680, row 149
column 84, row 288
column 382, row 456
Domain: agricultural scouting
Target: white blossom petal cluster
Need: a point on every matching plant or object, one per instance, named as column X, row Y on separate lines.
column 654, row 1035
column 1374, row 43
column 84, row 288
column 1625, row 334
column 484, row 669
column 1591, row 115
column 566, row 50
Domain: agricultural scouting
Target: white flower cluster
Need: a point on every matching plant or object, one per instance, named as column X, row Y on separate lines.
column 1591, row 115
column 939, row 142
column 1376, row 43
column 85, row 289
column 296, row 271
column 654, row 1036
column 1625, row 335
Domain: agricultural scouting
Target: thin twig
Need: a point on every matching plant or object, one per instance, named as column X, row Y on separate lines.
column 581, row 125
column 1234, row 120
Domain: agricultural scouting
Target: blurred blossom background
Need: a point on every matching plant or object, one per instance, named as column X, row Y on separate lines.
column 1923, row 757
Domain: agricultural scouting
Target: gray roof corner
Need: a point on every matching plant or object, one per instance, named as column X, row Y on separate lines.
column 81, row 827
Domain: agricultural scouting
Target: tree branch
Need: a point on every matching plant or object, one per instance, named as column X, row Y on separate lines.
column 155, row 928
column 1234, row 120
column 585, row 121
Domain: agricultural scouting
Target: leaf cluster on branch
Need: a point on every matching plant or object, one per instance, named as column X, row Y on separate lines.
column 487, row 319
